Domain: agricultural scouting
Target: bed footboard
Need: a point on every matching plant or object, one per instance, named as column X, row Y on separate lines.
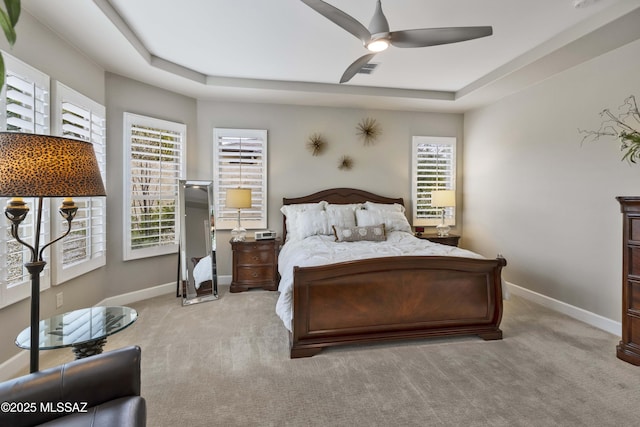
column 395, row 298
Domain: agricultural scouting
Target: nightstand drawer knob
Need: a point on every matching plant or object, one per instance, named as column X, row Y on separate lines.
column 254, row 274
column 255, row 258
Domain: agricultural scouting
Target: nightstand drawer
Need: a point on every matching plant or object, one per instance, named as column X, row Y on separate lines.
column 255, row 274
column 253, row 245
column 263, row 255
column 450, row 240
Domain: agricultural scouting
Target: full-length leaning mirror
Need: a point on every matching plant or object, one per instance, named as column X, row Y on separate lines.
column 197, row 281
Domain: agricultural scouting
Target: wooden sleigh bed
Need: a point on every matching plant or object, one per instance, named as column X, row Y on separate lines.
column 391, row 298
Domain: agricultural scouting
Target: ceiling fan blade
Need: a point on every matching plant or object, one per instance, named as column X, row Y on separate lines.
column 355, row 67
column 434, row 36
column 340, row 18
column 379, row 23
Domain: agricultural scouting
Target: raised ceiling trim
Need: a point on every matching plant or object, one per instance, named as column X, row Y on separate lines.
column 284, row 85
column 573, row 47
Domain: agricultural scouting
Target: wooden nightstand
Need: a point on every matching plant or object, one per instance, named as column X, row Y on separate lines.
column 255, row 265
column 451, row 239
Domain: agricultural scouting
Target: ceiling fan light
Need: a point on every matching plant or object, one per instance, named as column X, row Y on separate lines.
column 377, row 45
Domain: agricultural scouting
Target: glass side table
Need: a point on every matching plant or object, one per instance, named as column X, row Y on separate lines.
column 85, row 330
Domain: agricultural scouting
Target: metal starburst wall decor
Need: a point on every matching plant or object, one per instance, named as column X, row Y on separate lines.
column 316, row 144
column 346, row 163
column 368, row 130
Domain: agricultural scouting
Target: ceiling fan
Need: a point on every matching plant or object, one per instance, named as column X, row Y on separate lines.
column 378, row 37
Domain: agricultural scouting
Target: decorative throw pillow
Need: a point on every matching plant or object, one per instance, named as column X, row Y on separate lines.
column 373, row 233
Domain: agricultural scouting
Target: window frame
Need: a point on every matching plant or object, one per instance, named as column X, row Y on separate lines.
column 130, row 120
column 96, row 206
column 448, row 177
column 256, row 217
column 13, row 292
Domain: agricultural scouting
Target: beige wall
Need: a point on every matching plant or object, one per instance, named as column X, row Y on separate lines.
column 535, row 194
column 126, row 95
column 383, row 167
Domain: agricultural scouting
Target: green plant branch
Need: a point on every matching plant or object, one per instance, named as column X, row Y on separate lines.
column 8, row 20
column 624, row 127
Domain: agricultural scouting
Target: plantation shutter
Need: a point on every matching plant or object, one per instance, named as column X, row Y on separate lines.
column 155, row 150
column 240, row 160
column 434, row 168
column 84, row 249
column 27, row 103
column 24, row 107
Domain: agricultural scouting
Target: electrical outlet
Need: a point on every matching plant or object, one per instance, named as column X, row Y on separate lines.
column 59, row 300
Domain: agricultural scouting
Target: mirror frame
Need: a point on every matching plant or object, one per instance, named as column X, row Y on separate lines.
column 183, row 267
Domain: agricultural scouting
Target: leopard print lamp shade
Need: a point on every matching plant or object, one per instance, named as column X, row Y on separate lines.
column 47, row 166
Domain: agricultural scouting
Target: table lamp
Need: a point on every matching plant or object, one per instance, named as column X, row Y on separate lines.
column 443, row 199
column 42, row 166
column 238, row 198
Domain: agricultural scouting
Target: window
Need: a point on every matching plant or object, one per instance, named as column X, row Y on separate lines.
column 240, row 160
column 25, row 100
column 154, row 164
column 24, row 107
column 84, row 249
column 433, row 168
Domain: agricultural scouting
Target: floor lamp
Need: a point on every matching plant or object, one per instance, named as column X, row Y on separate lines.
column 42, row 166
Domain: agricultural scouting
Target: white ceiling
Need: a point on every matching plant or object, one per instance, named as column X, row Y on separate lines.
column 283, row 51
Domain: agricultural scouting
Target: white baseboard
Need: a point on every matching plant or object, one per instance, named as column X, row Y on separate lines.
column 140, row 295
column 580, row 314
column 12, row 367
column 224, row 280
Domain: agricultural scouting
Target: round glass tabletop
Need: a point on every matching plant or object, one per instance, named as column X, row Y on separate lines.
column 79, row 327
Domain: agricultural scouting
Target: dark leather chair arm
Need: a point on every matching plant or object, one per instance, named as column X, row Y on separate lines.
column 89, row 382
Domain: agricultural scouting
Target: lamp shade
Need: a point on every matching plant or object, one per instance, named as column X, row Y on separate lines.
column 443, row 198
column 238, row 198
column 47, row 166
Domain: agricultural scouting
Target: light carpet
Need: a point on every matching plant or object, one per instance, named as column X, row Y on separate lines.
column 226, row 363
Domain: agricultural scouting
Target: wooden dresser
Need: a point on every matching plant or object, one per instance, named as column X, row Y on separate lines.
column 255, row 265
column 629, row 347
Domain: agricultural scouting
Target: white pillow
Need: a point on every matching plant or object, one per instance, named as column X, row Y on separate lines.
column 307, row 223
column 394, row 207
column 368, row 217
column 289, row 211
column 393, row 221
column 342, row 215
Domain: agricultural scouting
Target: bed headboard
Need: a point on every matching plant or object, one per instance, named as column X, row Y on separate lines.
column 341, row 196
